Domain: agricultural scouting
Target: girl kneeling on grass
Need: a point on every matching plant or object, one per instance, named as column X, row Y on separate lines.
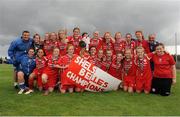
column 50, row 73
column 41, row 63
column 129, row 71
column 116, row 66
column 99, row 58
column 93, row 56
column 107, row 61
column 164, row 71
column 65, row 61
column 143, row 74
column 26, row 67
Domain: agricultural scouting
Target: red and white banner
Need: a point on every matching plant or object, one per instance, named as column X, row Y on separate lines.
column 89, row 77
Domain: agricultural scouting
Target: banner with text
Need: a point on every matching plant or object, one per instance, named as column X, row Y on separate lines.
column 89, row 77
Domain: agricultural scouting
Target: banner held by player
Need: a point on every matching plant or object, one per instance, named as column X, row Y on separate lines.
column 89, row 77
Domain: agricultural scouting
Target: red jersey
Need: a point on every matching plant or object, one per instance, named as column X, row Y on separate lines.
column 143, row 74
column 49, row 46
column 71, row 38
column 85, row 55
column 41, row 64
column 107, row 46
column 144, row 44
column 65, row 60
column 98, row 62
column 74, row 42
column 129, row 73
column 118, row 45
column 163, row 65
column 92, row 59
column 143, row 68
column 82, row 52
column 130, row 45
column 106, row 64
column 62, row 47
column 129, row 68
column 51, row 62
column 116, row 69
column 95, row 42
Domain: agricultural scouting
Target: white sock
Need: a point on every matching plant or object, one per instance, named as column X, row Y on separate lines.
column 15, row 83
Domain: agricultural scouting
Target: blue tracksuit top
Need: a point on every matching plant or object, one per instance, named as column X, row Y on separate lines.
column 27, row 64
column 18, row 48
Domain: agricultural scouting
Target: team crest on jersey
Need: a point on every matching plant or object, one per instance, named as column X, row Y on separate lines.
column 127, row 66
column 76, row 43
column 145, row 61
column 160, row 59
column 40, row 63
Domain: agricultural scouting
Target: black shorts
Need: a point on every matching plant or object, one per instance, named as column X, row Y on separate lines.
column 152, row 65
column 161, row 86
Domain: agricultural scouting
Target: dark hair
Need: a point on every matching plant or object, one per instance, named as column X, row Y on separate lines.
column 40, row 49
column 128, row 34
column 159, row 44
column 76, row 28
column 25, row 31
column 84, row 33
column 36, row 35
column 31, row 49
column 140, row 32
column 92, row 47
column 82, row 44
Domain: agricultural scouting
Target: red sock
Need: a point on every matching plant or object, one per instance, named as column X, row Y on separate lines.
column 31, row 83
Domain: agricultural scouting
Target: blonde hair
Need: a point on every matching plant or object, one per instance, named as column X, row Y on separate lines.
column 128, row 49
column 117, row 33
column 61, row 31
column 69, row 45
column 139, row 48
column 106, row 33
column 139, row 31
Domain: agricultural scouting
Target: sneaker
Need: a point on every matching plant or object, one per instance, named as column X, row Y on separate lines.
column 21, row 91
column 46, row 93
column 29, row 91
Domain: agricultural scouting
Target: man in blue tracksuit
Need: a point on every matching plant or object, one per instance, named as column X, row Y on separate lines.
column 26, row 67
column 19, row 48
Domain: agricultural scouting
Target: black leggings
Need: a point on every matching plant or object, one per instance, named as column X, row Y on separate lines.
column 161, row 86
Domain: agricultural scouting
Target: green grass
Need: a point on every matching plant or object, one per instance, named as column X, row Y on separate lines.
column 87, row 103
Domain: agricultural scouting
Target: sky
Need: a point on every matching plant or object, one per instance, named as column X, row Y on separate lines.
column 161, row 17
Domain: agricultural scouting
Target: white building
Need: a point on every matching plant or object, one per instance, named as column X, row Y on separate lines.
column 171, row 49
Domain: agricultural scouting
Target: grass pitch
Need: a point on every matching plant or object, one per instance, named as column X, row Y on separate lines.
column 93, row 104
